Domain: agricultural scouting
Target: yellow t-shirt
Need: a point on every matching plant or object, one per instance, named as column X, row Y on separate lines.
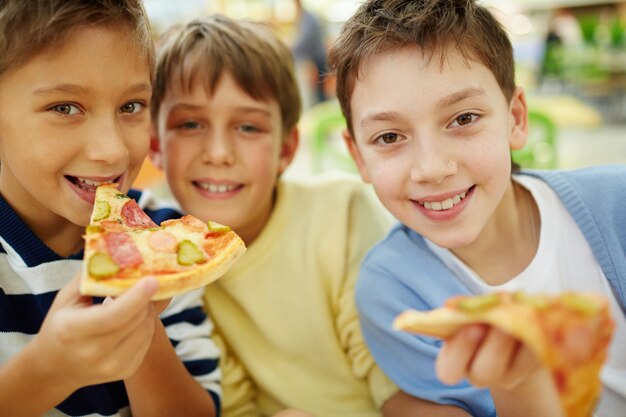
column 285, row 316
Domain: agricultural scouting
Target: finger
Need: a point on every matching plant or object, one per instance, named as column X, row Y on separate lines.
column 524, row 363
column 131, row 350
column 457, row 352
column 491, row 362
column 124, row 311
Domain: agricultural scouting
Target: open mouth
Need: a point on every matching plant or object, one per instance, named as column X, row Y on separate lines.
column 448, row 203
column 89, row 185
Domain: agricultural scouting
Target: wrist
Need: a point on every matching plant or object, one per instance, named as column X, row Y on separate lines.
column 37, row 366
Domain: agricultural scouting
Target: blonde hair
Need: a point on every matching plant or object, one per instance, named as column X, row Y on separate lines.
column 28, row 27
column 259, row 62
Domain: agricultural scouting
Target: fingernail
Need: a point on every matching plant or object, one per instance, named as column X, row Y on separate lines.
column 150, row 285
column 107, row 300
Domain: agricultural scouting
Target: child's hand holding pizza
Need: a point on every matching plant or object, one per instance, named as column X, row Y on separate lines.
column 491, row 358
column 487, row 357
column 87, row 344
column 521, row 345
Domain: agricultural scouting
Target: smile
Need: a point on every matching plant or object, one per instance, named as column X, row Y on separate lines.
column 217, row 188
column 446, row 204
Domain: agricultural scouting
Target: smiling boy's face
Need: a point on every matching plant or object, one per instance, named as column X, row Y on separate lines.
column 434, row 140
column 73, row 116
column 222, row 153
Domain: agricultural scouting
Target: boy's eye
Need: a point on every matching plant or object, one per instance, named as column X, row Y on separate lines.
column 388, row 138
column 67, row 109
column 248, row 128
column 465, row 119
column 190, row 125
column 133, row 107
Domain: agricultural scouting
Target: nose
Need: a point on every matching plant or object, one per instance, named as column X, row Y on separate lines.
column 218, row 149
column 107, row 141
column 431, row 161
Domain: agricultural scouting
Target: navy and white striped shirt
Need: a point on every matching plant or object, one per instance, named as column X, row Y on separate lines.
column 30, row 276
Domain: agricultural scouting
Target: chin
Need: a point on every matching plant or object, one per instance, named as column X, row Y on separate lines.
column 452, row 242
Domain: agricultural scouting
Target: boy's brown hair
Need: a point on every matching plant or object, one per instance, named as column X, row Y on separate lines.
column 431, row 25
column 28, row 27
column 259, row 62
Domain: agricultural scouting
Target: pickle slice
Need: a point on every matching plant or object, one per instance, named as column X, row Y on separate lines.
column 189, row 253
column 101, row 211
column 478, row 303
column 93, row 229
column 217, row 228
column 102, row 265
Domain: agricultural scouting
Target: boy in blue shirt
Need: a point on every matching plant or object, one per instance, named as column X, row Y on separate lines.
column 428, row 91
column 75, row 86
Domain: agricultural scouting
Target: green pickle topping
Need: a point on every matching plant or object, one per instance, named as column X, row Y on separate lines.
column 479, row 303
column 217, row 228
column 93, row 229
column 101, row 210
column 539, row 302
column 102, row 265
column 189, row 253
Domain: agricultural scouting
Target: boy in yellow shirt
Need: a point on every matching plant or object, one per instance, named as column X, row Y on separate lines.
column 225, row 110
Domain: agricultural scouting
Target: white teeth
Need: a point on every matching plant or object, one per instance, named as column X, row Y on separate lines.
column 89, row 182
column 217, row 188
column 445, row 204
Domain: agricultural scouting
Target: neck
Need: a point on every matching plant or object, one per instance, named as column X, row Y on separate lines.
column 508, row 243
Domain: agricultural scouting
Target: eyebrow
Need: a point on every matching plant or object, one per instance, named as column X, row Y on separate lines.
column 447, row 101
column 384, row 116
column 67, row 88
column 243, row 109
column 460, row 96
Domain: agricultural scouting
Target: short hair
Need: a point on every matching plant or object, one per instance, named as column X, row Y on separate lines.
column 431, row 25
column 27, row 27
column 207, row 47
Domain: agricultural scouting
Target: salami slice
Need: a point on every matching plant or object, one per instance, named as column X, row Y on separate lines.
column 122, row 249
column 134, row 216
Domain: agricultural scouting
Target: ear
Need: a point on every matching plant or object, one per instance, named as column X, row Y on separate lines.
column 519, row 120
column 288, row 149
column 155, row 153
column 356, row 155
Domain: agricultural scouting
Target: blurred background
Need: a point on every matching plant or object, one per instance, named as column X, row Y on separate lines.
column 570, row 56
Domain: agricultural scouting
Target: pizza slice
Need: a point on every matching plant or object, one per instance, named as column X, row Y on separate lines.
column 549, row 325
column 123, row 245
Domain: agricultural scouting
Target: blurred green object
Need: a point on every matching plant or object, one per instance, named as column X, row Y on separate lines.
column 540, row 149
column 323, row 123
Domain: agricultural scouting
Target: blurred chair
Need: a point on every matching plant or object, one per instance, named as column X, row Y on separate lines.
column 540, row 149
